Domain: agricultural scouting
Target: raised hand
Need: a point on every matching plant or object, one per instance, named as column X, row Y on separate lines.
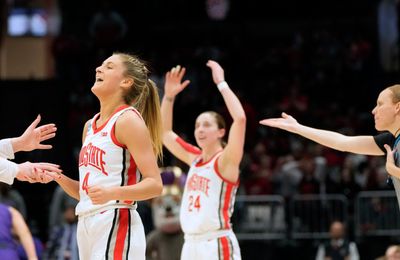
column 38, row 172
column 173, row 81
column 217, row 71
column 286, row 122
column 33, row 136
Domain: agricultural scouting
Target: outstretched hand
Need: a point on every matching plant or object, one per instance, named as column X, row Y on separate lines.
column 173, row 81
column 33, row 137
column 217, row 71
column 286, row 122
column 38, row 172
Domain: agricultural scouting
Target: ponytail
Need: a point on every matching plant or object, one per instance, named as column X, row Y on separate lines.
column 143, row 95
column 148, row 104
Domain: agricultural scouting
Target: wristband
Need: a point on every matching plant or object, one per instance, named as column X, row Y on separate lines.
column 222, row 85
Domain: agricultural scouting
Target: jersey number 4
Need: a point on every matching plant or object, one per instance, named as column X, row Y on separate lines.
column 85, row 183
column 194, row 203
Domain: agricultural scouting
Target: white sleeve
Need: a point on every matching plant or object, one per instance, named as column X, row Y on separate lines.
column 353, row 251
column 6, row 150
column 8, row 171
column 321, row 253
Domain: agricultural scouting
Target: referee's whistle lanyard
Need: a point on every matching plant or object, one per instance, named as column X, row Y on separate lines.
column 396, row 155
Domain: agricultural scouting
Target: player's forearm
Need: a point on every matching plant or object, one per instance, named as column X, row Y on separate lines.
column 233, row 104
column 28, row 244
column 327, row 138
column 146, row 189
column 70, row 186
column 167, row 106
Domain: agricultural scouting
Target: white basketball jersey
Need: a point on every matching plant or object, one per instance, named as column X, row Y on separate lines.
column 105, row 162
column 208, row 199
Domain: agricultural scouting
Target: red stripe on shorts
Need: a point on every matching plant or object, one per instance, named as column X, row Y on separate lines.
column 121, row 234
column 226, row 252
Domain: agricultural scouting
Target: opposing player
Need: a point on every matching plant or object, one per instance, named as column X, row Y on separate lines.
column 209, row 193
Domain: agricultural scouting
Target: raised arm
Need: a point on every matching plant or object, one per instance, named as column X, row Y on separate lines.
column 233, row 151
column 354, row 144
column 131, row 131
column 173, row 86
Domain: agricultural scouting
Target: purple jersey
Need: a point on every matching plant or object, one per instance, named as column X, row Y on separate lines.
column 8, row 248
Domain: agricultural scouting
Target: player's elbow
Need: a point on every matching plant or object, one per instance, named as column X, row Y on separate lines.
column 241, row 119
column 158, row 188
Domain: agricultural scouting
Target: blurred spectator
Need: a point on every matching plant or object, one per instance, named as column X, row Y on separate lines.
column 107, row 27
column 59, row 203
column 388, row 34
column 308, row 183
column 338, row 247
column 217, row 9
column 346, row 184
column 260, row 180
column 288, row 175
column 68, row 53
column 295, row 102
column 13, row 198
column 62, row 243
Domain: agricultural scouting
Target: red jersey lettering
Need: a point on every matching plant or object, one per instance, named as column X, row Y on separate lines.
column 198, row 183
column 93, row 156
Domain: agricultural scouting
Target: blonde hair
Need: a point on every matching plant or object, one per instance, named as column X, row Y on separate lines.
column 395, row 89
column 143, row 95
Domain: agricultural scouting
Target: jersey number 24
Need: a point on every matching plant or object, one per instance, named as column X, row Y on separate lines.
column 194, row 203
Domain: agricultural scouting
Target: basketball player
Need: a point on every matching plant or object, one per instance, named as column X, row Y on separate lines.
column 117, row 162
column 387, row 119
column 212, row 181
column 30, row 140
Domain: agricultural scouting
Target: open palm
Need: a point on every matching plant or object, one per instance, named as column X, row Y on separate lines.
column 33, row 136
column 286, row 122
column 173, row 81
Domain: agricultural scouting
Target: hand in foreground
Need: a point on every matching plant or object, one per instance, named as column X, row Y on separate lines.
column 217, row 71
column 37, row 172
column 33, row 136
column 98, row 194
column 286, row 122
column 173, row 81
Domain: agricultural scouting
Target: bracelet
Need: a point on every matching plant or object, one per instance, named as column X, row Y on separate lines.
column 222, row 85
column 170, row 99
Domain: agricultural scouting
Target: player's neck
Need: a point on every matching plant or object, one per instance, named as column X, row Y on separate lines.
column 209, row 152
column 108, row 108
